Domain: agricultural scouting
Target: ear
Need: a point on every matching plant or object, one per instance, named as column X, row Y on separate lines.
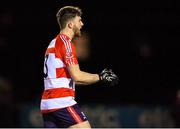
column 70, row 25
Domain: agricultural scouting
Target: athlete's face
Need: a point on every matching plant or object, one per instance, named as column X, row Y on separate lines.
column 77, row 25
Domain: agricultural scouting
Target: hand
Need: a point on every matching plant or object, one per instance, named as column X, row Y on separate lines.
column 108, row 76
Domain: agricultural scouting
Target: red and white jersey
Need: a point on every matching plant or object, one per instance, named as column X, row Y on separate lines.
column 59, row 88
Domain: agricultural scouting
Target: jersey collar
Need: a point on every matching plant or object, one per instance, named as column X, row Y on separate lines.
column 67, row 37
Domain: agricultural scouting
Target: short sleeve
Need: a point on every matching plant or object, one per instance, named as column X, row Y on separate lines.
column 69, row 54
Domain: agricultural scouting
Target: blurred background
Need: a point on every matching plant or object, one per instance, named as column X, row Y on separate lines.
column 139, row 40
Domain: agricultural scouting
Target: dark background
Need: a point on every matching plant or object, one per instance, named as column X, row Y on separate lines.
column 118, row 30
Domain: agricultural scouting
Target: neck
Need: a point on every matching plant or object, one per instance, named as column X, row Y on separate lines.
column 67, row 32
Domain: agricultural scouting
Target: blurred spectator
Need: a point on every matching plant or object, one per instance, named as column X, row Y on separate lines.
column 82, row 46
column 176, row 109
column 7, row 105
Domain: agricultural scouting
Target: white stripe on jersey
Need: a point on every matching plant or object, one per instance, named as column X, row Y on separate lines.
column 56, row 83
column 48, row 104
column 53, row 63
column 68, row 48
column 52, row 43
column 63, row 41
column 67, row 44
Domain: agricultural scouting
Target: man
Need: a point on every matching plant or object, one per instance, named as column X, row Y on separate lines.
column 62, row 72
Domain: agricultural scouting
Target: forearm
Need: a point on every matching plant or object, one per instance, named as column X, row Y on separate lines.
column 85, row 78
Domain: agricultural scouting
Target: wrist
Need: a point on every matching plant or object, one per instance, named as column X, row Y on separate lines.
column 99, row 77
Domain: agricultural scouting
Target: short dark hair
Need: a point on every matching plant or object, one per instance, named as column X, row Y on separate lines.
column 66, row 13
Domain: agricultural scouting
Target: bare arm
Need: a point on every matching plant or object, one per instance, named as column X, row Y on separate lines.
column 81, row 77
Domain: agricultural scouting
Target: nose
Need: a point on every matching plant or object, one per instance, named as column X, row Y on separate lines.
column 82, row 24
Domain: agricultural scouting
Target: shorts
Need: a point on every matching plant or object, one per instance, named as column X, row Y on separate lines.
column 64, row 118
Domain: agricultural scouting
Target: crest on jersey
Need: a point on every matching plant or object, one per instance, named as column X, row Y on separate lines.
column 69, row 53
